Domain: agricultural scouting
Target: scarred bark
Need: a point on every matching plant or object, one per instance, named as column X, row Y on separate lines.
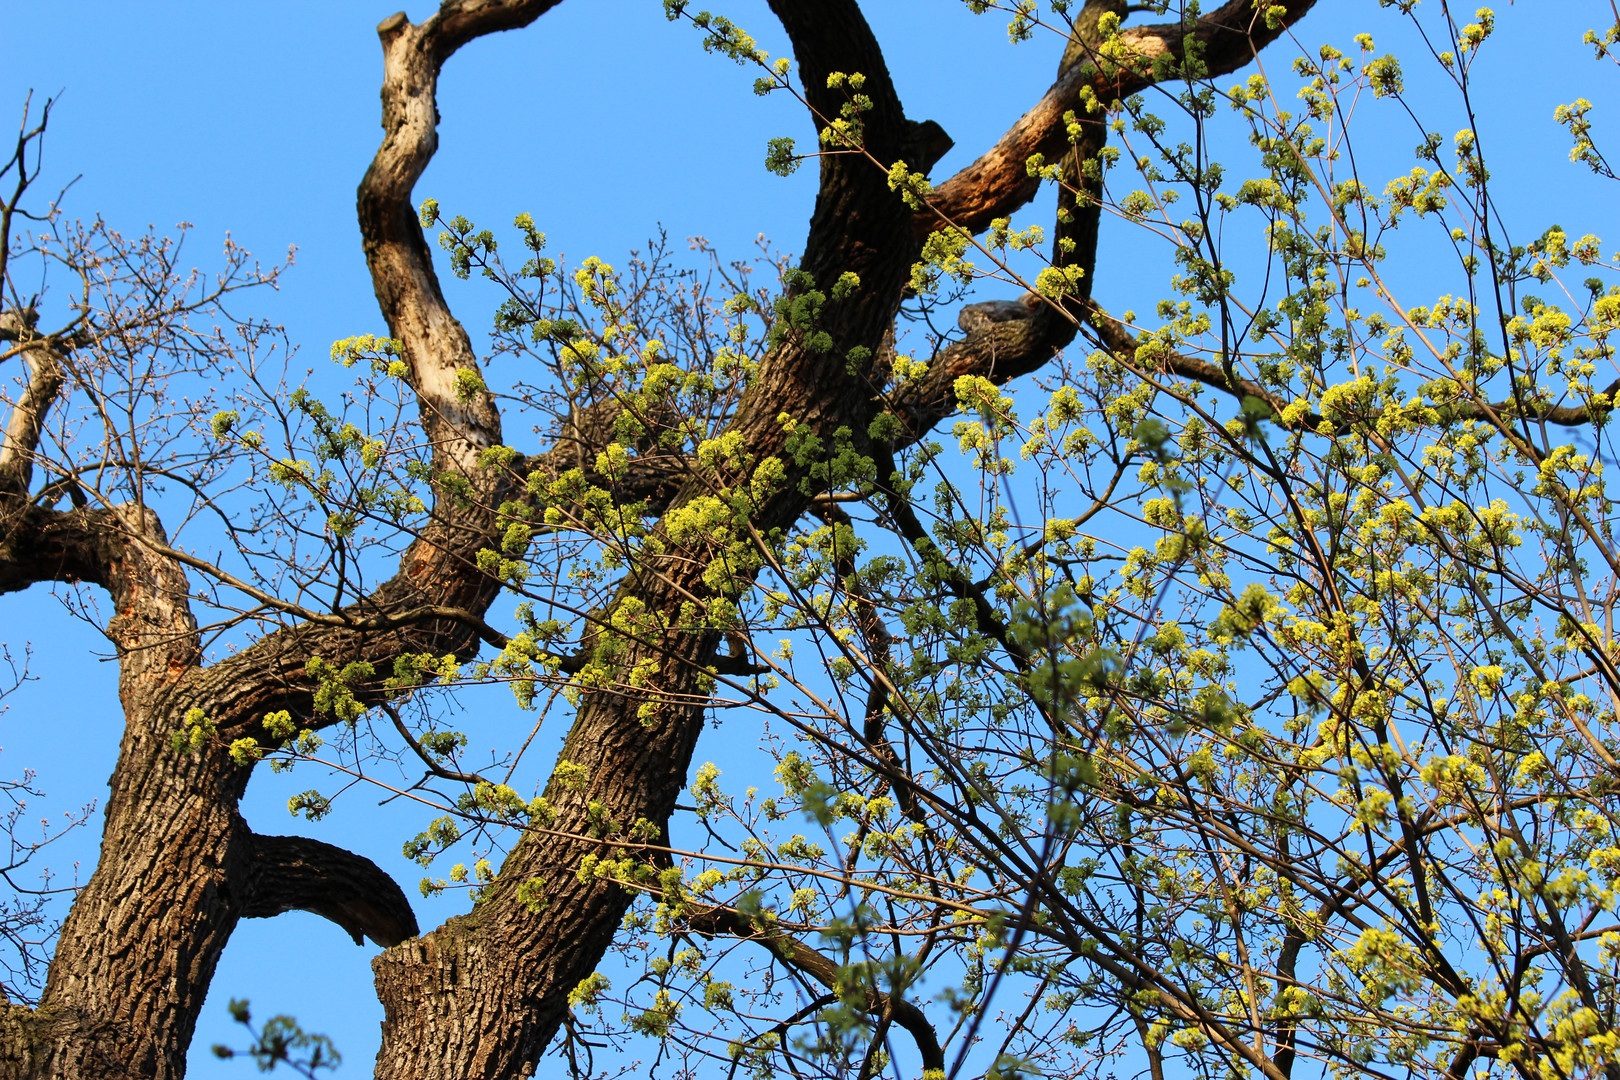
column 27, row 421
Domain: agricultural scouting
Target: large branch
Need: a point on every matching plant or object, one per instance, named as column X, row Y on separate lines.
column 38, row 544
column 292, row 873
column 999, row 182
column 436, row 347
column 20, row 442
column 439, row 571
column 176, row 869
column 1005, row 339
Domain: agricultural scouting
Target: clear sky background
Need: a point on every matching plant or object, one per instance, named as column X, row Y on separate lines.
column 604, row 121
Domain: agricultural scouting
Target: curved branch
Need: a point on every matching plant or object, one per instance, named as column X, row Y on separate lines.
column 816, row 964
column 20, row 441
column 1005, row 339
column 293, row 873
column 435, row 603
column 1008, row 338
column 458, row 413
column 998, row 182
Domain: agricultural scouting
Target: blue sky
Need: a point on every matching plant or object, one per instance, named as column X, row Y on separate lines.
column 603, row 120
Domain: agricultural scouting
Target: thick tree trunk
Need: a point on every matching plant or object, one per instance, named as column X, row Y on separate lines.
column 121, row 999
column 178, row 866
column 481, row 995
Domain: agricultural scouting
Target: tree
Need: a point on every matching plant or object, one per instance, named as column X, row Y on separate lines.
column 1256, row 720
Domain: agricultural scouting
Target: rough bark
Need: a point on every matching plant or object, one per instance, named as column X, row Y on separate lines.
column 178, row 865
column 294, row 873
column 138, row 948
column 168, row 830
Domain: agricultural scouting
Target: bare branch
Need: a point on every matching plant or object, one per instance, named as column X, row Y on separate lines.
column 816, row 964
column 457, row 411
column 293, row 873
column 20, row 442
